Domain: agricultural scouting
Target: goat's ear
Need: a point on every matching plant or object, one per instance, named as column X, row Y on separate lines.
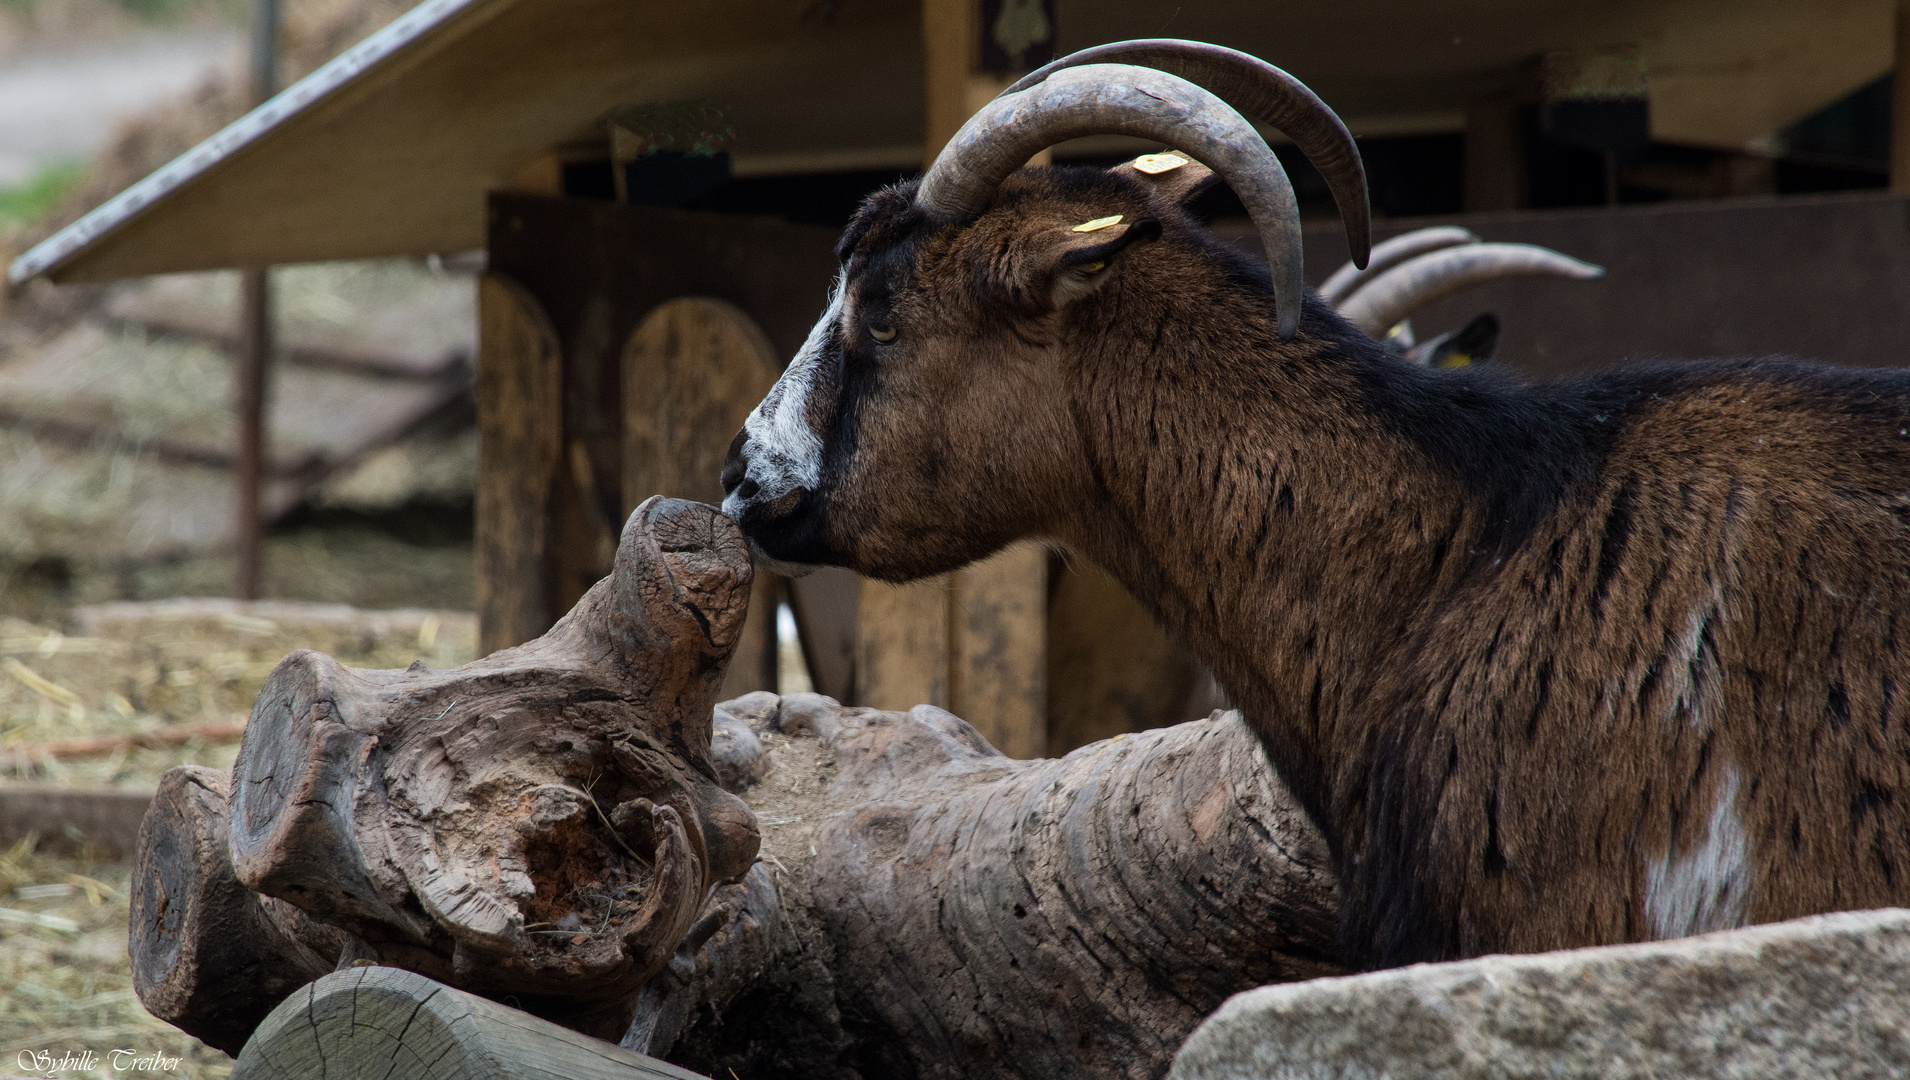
column 1084, row 260
column 1174, row 175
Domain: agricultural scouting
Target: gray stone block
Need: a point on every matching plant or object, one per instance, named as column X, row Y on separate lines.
column 1827, row 996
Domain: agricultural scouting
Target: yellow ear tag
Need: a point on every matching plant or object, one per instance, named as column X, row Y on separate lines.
column 1155, row 164
column 1098, row 224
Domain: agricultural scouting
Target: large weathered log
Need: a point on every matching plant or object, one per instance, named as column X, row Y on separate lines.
column 209, row 955
column 544, row 823
column 549, row 827
column 943, row 911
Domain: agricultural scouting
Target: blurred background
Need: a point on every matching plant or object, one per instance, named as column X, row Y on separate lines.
column 117, row 404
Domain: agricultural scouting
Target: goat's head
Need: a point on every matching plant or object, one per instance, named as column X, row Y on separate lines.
column 960, row 293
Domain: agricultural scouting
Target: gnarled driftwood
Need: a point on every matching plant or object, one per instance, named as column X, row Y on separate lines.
column 559, row 827
column 543, row 824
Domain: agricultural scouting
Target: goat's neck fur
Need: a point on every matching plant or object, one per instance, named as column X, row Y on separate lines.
column 1244, row 455
column 1551, row 666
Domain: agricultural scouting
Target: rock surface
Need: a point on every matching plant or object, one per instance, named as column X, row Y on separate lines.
column 1824, row 996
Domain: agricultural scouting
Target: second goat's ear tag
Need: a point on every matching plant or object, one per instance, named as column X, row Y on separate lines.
column 1098, row 223
column 1155, row 164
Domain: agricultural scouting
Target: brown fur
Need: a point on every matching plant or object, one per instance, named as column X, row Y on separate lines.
column 1509, row 645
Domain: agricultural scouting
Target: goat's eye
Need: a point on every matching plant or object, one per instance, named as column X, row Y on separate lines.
column 882, row 332
column 1094, row 267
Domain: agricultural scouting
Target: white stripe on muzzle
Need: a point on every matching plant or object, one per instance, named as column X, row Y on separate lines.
column 783, row 454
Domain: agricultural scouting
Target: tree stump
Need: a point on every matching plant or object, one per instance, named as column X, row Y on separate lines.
column 544, row 824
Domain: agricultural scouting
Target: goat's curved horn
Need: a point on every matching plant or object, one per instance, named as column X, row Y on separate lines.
column 1261, row 92
column 1349, row 278
column 1411, row 285
column 1117, row 99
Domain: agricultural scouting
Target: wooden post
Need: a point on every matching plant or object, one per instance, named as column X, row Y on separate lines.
column 255, row 349
column 250, row 462
column 998, row 640
column 1111, row 668
column 972, row 642
column 902, row 653
column 520, row 445
column 692, row 371
column 951, row 51
column 1900, row 105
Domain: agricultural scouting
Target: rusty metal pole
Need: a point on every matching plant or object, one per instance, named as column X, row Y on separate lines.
column 255, row 348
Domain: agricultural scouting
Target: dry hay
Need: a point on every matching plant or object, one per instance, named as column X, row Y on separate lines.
column 66, row 982
column 423, row 467
column 138, row 669
column 103, row 500
column 65, row 979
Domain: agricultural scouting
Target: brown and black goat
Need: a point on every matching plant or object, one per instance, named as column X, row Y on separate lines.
column 1603, row 660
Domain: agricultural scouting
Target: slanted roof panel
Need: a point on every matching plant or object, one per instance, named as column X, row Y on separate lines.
column 390, row 148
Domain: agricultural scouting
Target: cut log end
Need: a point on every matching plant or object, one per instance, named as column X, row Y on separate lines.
column 209, row 955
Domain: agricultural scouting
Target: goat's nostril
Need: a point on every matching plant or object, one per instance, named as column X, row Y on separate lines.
column 734, row 466
column 746, row 490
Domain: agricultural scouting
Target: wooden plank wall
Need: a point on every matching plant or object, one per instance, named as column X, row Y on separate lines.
column 574, row 279
column 692, row 312
column 520, row 433
column 1819, row 277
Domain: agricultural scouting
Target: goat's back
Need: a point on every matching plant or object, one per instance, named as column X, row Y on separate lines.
column 1673, row 706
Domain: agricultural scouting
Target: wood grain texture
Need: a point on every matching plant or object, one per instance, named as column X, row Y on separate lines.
column 943, row 911
column 1111, row 668
column 692, row 371
column 374, row 1023
column 902, row 643
column 598, row 269
column 520, row 447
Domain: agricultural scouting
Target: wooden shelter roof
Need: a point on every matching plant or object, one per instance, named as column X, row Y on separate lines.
column 390, row 149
